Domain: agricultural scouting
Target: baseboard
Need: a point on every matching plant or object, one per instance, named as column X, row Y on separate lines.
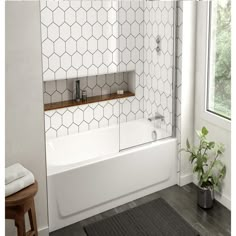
column 226, row 201
column 185, row 179
column 43, row 231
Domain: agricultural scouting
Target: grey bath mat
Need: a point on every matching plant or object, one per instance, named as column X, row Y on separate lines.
column 156, row 218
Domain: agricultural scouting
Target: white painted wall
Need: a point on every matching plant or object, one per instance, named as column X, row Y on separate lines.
column 25, row 139
column 219, row 129
column 187, row 88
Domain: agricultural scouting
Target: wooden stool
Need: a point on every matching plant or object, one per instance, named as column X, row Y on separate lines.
column 18, row 204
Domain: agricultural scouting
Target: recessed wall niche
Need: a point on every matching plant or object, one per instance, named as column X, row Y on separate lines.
column 64, row 90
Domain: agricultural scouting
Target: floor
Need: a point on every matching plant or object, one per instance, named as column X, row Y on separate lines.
column 213, row 222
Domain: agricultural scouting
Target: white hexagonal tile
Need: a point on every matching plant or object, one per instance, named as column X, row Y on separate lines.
column 87, row 59
column 54, row 62
column 130, row 15
column 76, row 60
column 78, row 116
column 71, row 73
column 51, row 133
column 76, row 31
column 164, row 16
column 139, row 16
column 102, row 44
column 112, row 44
column 45, row 63
column 102, row 16
column 52, row 5
column 73, row 129
column 164, row 45
column 108, row 111
column 97, row 58
column 91, row 82
column 56, row 97
column 62, row 131
column 46, row 16
column 88, row 114
column 56, row 121
column 87, row 31
column 126, row 29
column 122, row 16
column 71, row 46
column 97, row 30
column 126, row 107
column 50, row 87
column 70, row 16
column 67, row 119
column 60, row 74
column 66, row 61
column 47, row 47
column 112, row 15
column 135, row 29
column 64, row 5
column 93, row 125
column 139, row 42
column 163, row 101
column 167, row 88
column 163, row 73
column 82, row 45
column 61, row 85
column 101, row 80
column 65, row 31
column 135, row 106
column 81, row 16
column 103, row 122
column 168, row 31
column 60, row 47
column 83, row 127
column 126, row 56
column 97, row 91
column 53, row 32
column 98, row 113
column 139, row 92
column 47, row 122
column 92, row 45
column 161, row 86
column 161, row 30
column 157, row 97
column 107, row 30
column 92, row 16
column 107, row 57
column 135, row 55
column 58, row 16
column 130, row 42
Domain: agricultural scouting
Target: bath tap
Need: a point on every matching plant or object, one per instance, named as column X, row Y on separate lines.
column 157, row 116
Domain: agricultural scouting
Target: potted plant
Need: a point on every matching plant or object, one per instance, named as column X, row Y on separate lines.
column 210, row 170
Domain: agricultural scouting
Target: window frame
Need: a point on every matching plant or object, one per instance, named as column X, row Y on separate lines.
column 206, row 114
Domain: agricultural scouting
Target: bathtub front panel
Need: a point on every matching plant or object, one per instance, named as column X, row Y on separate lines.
column 79, row 193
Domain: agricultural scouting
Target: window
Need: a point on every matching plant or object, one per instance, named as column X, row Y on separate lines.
column 219, row 59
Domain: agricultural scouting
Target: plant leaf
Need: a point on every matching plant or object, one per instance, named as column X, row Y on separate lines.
column 204, row 131
column 187, row 143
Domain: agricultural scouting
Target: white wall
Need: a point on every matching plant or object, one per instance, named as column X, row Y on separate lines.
column 219, row 130
column 25, row 140
column 186, row 123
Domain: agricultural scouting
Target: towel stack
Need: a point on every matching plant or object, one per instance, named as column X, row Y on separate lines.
column 17, row 177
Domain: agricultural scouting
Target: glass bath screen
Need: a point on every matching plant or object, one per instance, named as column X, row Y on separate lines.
column 146, row 47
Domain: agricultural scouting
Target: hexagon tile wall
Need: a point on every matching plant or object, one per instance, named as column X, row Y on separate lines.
column 95, row 40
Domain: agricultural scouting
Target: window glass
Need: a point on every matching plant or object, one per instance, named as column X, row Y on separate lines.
column 219, row 67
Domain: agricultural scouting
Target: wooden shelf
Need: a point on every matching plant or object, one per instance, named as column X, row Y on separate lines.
column 58, row 105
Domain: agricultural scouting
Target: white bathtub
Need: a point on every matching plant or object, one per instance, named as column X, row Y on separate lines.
column 88, row 175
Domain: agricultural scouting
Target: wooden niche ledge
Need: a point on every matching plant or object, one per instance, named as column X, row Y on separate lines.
column 101, row 98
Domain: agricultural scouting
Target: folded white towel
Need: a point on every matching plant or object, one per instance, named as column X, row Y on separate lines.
column 19, row 184
column 14, row 172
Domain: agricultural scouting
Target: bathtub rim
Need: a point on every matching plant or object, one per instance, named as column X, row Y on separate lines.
column 55, row 170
